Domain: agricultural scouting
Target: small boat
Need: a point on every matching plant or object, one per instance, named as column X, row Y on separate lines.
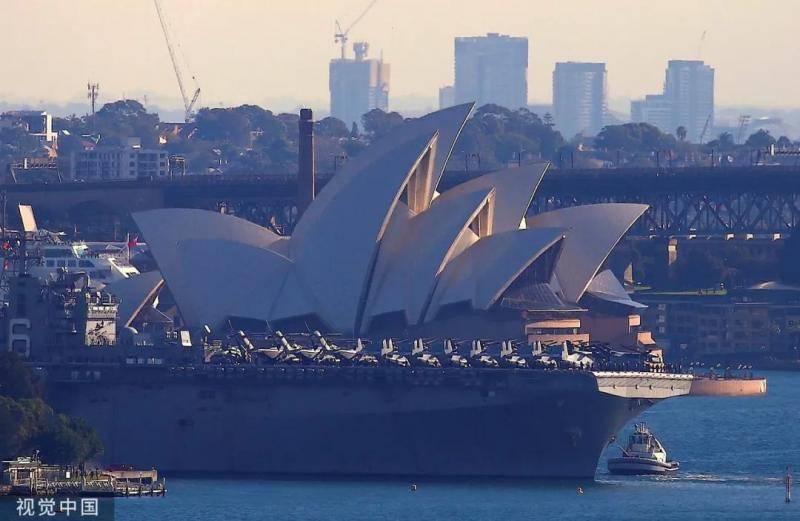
column 643, row 455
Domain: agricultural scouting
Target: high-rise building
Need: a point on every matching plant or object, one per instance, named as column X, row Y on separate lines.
column 358, row 85
column 689, row 87
column 579, row 97
column 447, row 97
column 687, row 101
column 654, row 109
column 492, row 69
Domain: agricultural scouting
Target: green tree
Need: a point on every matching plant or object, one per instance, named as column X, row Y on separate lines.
column 378, row 123
column 633, row 137
column 760, row 139
column 331, row 127
column 123, row 119
column 65, row 441
column 16, row 427
column 16, row 380
column 724, row 141
column 501, row 135
column 681, row 133
column 698, row 269
column 223, row 126
column 27, row 423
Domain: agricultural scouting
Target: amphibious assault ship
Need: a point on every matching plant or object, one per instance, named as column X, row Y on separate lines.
column 304, row 404
column 379, row 254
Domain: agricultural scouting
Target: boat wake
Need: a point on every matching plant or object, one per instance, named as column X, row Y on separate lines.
column 693, row 478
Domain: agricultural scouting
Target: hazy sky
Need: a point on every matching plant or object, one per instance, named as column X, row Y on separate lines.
column 276, row 52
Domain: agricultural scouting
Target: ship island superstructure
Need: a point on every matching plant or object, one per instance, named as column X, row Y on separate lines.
column 397, row 331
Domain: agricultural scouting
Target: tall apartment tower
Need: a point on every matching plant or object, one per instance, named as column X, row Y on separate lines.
column 446, row 97
column 654, row 109
column 579, row 98
column 689, row 88
column 491, row 69
column 358, row 85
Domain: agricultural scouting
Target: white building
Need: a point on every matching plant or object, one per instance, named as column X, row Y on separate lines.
column 380, row 249
column 579, row 98
column 118, row 163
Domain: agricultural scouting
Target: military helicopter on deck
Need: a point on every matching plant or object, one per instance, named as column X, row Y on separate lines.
column 335, row 354
column 389, row 355
column 509, row 356
column 578, row 358
column 288, row 350
column 419, row 356
column 451, row 354
column 308, row 353
column 478, row 356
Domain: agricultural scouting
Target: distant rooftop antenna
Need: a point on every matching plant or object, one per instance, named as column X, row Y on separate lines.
column 93, row 92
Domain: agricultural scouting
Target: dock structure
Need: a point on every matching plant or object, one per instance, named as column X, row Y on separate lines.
column 28, row 476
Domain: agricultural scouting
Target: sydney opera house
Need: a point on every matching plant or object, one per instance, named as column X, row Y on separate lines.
column 382, row 251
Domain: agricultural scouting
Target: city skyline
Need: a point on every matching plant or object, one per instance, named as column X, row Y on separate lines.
column 420, row 48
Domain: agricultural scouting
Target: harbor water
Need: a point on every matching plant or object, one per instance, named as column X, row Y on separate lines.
column 733, row 454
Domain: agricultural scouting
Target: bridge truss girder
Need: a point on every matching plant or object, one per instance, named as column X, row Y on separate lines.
column 715, row 213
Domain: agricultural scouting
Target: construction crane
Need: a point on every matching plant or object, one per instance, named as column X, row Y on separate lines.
column 340, row 36
column 705, row 128
column 744, row 122
column 188, row 103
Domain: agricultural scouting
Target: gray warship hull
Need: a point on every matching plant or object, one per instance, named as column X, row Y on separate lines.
column 348, row 421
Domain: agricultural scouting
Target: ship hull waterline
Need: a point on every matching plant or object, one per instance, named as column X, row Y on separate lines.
column 516, row 424
column 641, row 466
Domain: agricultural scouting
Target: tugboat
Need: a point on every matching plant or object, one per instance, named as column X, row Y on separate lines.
column 643, row 455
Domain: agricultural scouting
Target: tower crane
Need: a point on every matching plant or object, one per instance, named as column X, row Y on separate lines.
column 705, row 128
column 188, row 103
column 340, row 36
column 744, row 122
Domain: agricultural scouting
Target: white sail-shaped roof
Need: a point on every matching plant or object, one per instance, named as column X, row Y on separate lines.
column 231, row 279
column 372, row 243
column 594, row 230
column 415, row 250
column 447, row 123
column 336, row 241
column 606, row 286
column 514, row 189
column 165, row 228
column 486, row 269
column 134, row 293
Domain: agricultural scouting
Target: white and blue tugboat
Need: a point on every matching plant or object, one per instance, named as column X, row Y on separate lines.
column 643, row 455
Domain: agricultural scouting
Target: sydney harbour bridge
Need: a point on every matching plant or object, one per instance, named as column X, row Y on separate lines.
column 701, row 201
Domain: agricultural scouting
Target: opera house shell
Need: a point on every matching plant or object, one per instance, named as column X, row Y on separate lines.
column 381, row 250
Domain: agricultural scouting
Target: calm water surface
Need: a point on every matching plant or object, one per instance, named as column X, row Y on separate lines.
column 733, row 452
